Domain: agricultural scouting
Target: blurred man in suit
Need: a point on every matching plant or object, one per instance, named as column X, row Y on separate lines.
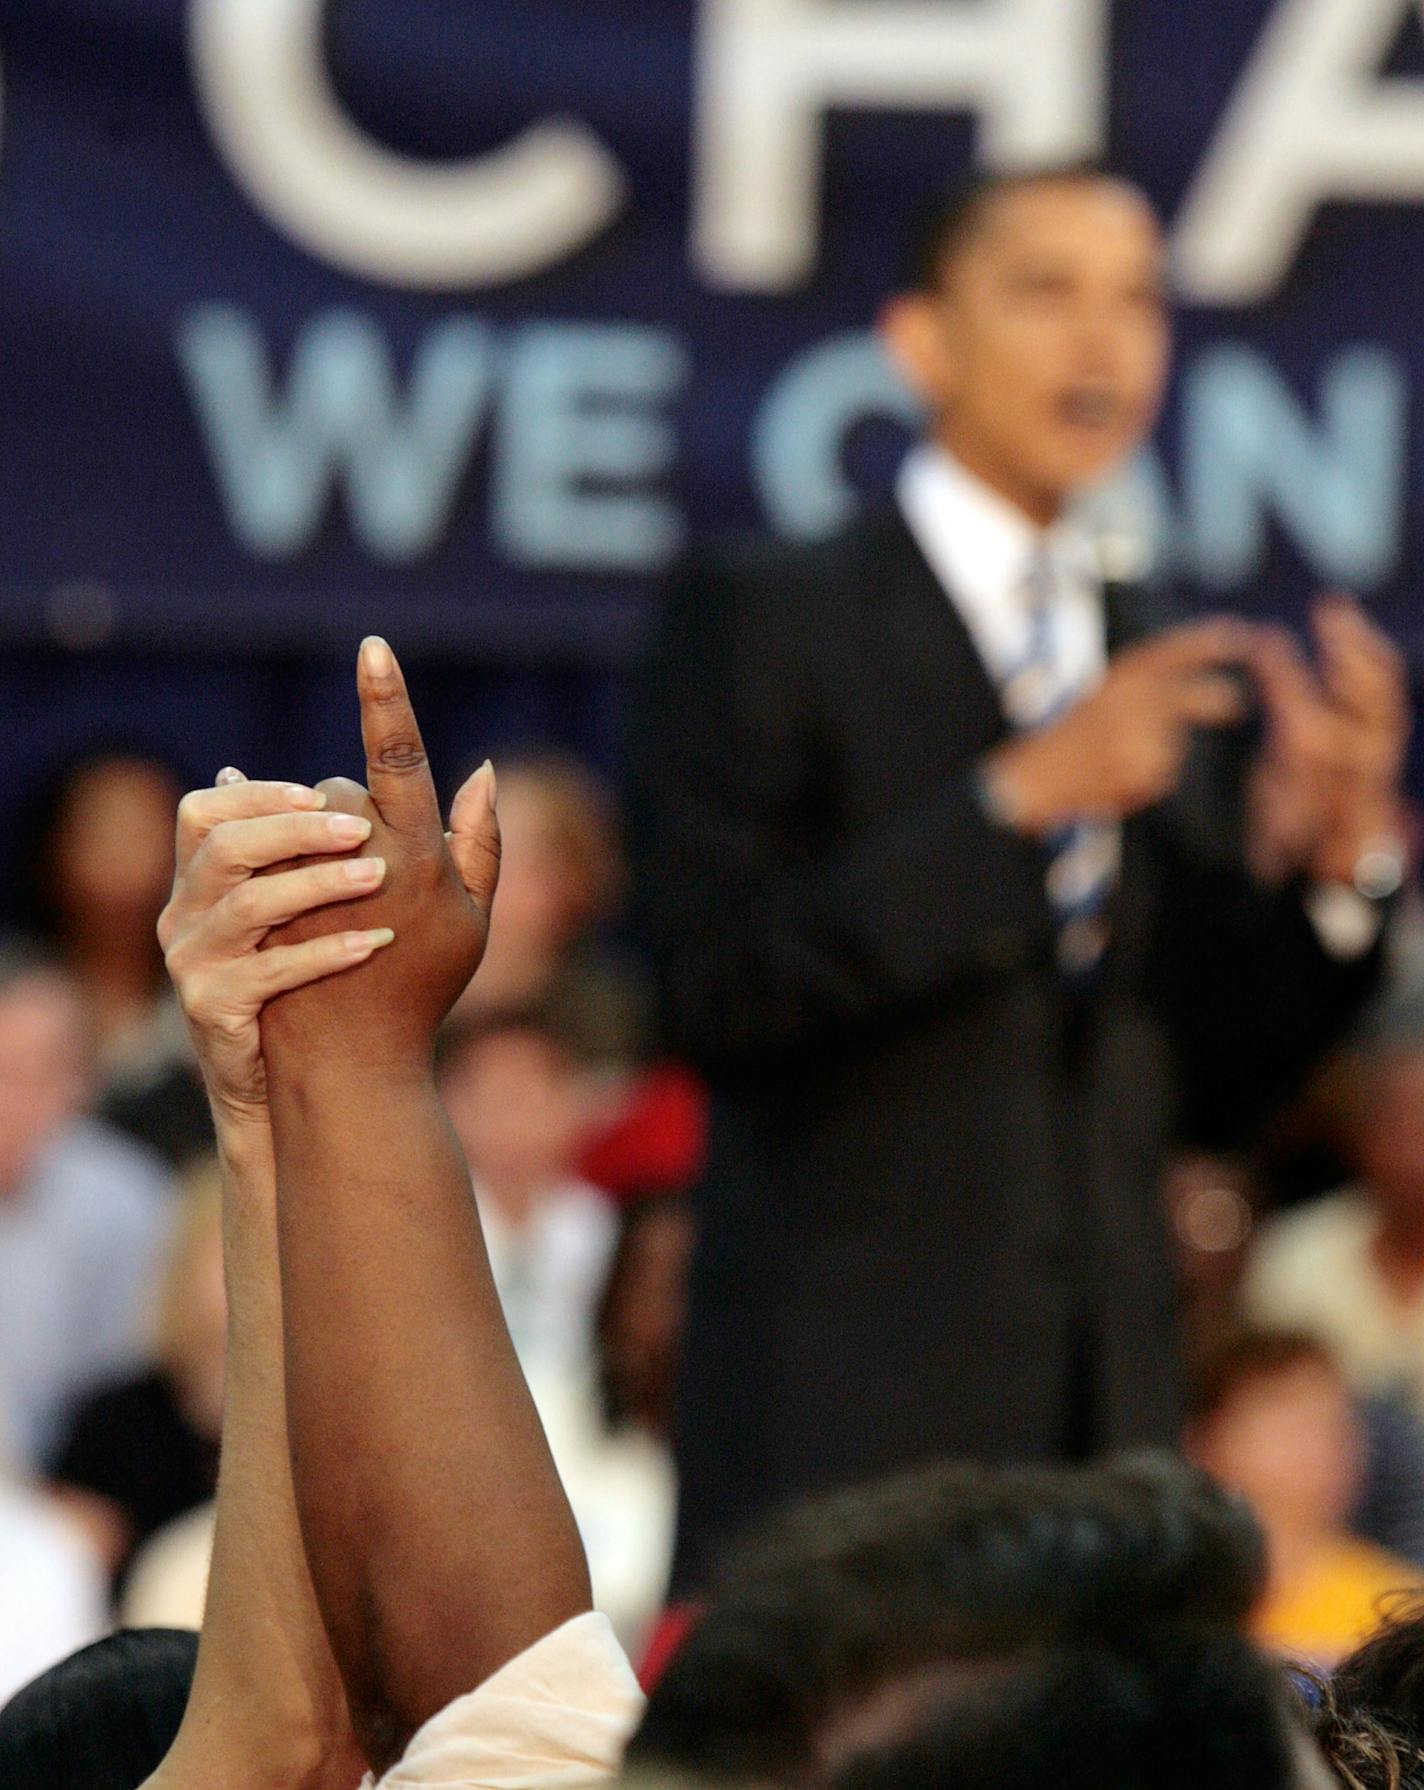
column 963, row 884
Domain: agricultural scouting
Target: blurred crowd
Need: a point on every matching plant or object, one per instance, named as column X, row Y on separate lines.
column 112, row 1309
column 1304, row 1259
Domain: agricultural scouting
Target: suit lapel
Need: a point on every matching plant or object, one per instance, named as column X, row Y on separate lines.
column 928, row 631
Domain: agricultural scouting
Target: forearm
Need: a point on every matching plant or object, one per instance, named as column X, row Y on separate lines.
column 440, row 1540
column 267, row 1706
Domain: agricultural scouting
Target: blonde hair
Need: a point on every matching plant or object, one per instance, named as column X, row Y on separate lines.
column 583, row 818
column 200, row 1187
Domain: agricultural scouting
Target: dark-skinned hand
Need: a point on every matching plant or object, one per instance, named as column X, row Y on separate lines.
column 436, row 898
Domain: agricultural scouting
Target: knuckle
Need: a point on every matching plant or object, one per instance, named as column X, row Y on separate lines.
column 401, row 754
column 244, row 904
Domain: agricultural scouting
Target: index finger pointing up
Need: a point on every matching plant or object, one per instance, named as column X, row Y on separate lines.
column 397, row 770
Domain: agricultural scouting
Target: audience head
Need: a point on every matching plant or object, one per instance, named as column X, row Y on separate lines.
column 45, row 1056
column 104, row 1718
column 1158, row 1709
column 561, row 874
column 190, row 1340
column 99, row 854
column 956, row 1570
column 1033, row 324
column 520, row 1098
column 1272, row 1419
column 1371, row 1721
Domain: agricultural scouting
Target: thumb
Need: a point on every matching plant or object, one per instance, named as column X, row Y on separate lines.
column 474, row 837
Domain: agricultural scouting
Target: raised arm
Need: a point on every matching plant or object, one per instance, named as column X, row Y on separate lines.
column 440, row 1540
column 267, row 1711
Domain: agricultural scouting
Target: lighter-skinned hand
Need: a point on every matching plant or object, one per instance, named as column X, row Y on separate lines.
column 221, row 911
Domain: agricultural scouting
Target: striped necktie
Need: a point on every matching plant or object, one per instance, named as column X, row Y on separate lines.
column 1084, row 856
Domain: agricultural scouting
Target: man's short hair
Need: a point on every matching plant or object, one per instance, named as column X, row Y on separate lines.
column 947, row 220
column 957, row 1567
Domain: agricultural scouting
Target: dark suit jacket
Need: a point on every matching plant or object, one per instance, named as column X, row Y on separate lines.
column 931, row 1219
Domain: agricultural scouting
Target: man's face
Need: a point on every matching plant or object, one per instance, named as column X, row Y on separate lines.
column 1044, row 352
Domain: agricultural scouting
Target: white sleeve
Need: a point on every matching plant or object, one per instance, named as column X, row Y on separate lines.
column 557, row 1717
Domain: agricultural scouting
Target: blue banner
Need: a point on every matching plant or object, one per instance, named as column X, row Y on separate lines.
column 462, row 319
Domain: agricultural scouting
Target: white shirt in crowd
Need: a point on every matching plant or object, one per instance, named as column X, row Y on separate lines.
column 54, row 1593
column 1314, row 1270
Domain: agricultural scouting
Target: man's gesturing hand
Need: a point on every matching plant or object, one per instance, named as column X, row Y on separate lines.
column 1327, row 784
column 1122, row 748
column 436, row 897
column 220, row 912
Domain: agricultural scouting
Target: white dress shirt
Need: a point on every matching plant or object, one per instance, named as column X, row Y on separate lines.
column 985, row 553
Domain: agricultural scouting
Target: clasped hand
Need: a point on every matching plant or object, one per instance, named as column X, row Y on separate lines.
column 276, row 888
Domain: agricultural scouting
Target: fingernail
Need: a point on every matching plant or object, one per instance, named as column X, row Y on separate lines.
column 349, row 827
column 377, row 657
column 493, row 784
column 365, row 870
column 362, row 944
column 301, row 797
column 228, row 774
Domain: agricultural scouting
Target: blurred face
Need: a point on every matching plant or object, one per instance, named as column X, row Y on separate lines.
column 518, row 1108
column 42, row 1079
column 1289, row 1444
column 540, row 887
column 1389, row 1149
column 113, row 846
column 1043, row 356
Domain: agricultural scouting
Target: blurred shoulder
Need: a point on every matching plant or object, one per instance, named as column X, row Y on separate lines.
column 90, row 1161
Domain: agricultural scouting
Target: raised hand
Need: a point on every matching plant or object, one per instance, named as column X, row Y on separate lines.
column 220, row 913
column 436, row 896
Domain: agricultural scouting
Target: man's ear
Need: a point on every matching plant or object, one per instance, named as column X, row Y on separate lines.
column 912, row 328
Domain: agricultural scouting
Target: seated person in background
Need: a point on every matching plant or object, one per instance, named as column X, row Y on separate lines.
column 562, row 881
column 95, row 860
column 85, row 1215
column 1350, row 1268
column 521, row 1103
column 142, row 1451
column 1271, row 1419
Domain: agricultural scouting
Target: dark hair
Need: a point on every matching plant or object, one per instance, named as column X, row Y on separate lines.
column 1158, row 1710
column 104, row 1718
column 1384, row 1676
column 1240, row 1356
column 947, row 220
column 956, row 1563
